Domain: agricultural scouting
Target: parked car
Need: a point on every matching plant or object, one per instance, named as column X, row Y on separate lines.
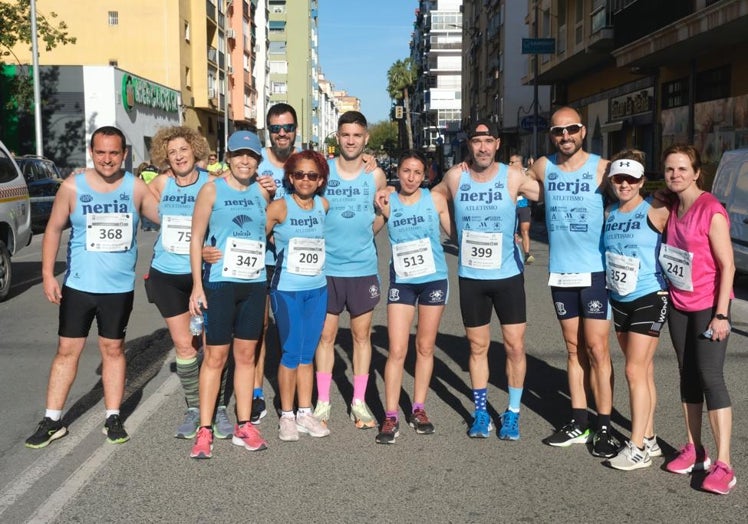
column 15, row 217
column 730, row 187
column 43, row 180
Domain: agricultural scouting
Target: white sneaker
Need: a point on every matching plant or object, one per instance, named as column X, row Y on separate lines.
column 310, row 425
column 287, row 430
column 630, row 457
column 653, row 448
column 322, row 412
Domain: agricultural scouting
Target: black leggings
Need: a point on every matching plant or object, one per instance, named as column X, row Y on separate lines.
column 700, row 360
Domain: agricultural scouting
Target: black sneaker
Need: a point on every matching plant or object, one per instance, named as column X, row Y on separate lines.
column 259, row 410
column 421, row 423
column 47, row 431
column 571, row 433
column 389, row 432
column 604, row 444
column 115, row 433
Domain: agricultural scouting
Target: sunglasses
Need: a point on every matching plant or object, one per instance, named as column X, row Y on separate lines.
column 301, row 175
column 572, row 129
column 276, row 128
column 630, row 180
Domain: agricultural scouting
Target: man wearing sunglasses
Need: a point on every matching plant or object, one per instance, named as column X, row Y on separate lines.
column 573, row 182
column 350, row 264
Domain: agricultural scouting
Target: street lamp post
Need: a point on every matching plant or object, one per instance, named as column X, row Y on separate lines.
column 37, row 87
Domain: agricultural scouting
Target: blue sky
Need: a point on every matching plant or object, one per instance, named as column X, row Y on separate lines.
column 358, row 42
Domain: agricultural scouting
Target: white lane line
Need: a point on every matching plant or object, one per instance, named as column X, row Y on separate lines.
column 52, row 507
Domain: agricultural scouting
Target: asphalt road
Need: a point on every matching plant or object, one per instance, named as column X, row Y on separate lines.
column 445, row 477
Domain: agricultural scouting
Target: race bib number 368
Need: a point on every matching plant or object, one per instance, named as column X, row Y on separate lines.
column 108, row 232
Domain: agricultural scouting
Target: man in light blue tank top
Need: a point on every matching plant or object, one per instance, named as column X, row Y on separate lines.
column 281, row 123
column 350, row 264
column 491, row 268
column 573, row 182
column 103, row 205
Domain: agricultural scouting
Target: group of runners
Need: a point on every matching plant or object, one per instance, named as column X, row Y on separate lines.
column 290, row 231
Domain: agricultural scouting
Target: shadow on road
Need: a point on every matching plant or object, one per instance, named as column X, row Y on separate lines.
column 145, row 356
column 29, row 274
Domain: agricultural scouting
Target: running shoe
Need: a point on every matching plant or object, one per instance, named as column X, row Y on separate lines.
column 421, row 423
column 509, row 425
column 689, row 458
column 47, row 431
column 361, row 415
column 249, row 436
column 114, row 431
column 653, row 448
column 222, row 426
column 259, row 410
column 604, row 444
column 630, row 458
column 287, row 430
column 311, row 426
column 389, row 432
column 571, row 433
column 322, row 412
column 720, row 480
column 188, row 428
column 482, row 425
column 203, row 447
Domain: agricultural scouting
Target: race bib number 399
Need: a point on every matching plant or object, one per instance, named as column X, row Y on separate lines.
column 108, row 232
column 243, row 258
column 481, row 250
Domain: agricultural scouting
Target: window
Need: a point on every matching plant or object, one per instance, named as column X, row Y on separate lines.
column 186, row 31
column 278, row 67
column 279, row 88
column 113, row 62
column 713, row 84
column 277, row 48
column 675, row 93
column 113, row 17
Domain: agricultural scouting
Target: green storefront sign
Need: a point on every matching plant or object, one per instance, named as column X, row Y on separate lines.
column 136, row 91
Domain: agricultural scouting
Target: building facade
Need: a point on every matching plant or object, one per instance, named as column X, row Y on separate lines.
column 436, row 52
column 649, row 73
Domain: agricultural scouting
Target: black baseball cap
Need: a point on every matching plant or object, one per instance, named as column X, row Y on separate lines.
column 490, row 126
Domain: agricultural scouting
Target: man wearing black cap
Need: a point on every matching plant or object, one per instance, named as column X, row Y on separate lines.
column 490, row 267
column 573, row 182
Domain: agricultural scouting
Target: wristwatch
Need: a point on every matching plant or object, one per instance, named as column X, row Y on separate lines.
column 720, row 316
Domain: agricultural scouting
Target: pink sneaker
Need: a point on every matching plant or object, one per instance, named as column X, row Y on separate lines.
column 720, row 480
column 248, row 436
column 689, row 458
column 203, row 447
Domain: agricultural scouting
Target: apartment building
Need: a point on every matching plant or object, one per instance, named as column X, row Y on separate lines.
column 649, row 73
column 203, row 49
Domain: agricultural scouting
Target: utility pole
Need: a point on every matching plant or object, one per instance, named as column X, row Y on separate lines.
column 37, row 87
column 535, row 92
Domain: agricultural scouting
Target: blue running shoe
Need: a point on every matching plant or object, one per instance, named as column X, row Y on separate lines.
column 509, row 426
column 482, row 425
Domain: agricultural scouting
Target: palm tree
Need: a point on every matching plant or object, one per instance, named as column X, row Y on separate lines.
column 400, row 80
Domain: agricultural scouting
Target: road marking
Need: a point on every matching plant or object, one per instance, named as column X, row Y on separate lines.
column 52, row 507
column 50, row 457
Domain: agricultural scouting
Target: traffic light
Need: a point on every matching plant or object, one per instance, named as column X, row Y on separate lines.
column 398, row 112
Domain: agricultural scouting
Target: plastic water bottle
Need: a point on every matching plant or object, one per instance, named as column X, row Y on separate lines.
column 196, row 324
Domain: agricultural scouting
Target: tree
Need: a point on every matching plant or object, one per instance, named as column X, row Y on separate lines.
column 15, row 20
column 383, row 137
column 401, row 77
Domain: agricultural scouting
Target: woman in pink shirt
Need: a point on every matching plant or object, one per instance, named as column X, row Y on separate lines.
column 698, row 261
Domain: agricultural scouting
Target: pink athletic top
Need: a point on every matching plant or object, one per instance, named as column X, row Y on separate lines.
column 691, row 233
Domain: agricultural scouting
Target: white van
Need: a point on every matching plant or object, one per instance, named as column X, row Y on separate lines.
column 730, row 187
column 15, row 217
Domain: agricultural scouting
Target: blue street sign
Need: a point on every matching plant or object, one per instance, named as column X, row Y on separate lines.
column 528, row 121
column 538, row 46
